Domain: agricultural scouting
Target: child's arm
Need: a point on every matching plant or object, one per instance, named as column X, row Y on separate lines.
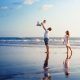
column 43, row 26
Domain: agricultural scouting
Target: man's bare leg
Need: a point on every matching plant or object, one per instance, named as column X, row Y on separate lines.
column 47, row 49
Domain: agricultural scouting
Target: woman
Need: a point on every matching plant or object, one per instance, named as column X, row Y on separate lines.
column 67, row 43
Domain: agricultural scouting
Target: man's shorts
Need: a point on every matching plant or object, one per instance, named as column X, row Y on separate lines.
column 46, row 41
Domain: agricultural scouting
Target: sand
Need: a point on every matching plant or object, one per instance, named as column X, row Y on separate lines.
column 26, row 63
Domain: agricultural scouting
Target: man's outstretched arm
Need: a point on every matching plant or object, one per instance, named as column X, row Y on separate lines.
column 43, row 26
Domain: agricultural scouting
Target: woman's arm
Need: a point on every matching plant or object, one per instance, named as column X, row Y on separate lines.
column 67, row 38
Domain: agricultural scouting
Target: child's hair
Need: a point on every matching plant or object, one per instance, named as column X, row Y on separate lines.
column 67, row 32
column 44, row 21
column 49, row 29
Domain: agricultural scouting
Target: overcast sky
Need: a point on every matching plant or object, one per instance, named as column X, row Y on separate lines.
column 19, row 17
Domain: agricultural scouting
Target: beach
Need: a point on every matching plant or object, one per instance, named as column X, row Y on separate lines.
column 26, row 63
column 39, row 40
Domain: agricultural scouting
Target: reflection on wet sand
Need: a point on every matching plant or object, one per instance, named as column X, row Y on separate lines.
column 67, row 67
column 45, row 67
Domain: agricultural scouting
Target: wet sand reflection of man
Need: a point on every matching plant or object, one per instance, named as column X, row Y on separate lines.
column 45, row 67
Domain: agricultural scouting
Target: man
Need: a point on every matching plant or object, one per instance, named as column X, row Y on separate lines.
column 46, row 37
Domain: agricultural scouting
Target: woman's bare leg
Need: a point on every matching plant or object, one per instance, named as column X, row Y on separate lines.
column 67, row 51
column 71, row 52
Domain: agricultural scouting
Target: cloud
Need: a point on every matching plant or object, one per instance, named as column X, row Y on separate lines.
column 47, row 7
column 30, row 2
column 3, row 7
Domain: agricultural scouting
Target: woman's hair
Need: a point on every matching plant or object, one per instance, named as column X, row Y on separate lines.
column 67, row 32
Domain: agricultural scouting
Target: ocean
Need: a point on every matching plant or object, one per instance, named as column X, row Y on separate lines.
column 24, row 58
column 27, row 41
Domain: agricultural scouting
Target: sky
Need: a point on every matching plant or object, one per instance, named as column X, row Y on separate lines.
column 18, row 18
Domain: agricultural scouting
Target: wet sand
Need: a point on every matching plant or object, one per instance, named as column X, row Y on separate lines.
column 26, row 63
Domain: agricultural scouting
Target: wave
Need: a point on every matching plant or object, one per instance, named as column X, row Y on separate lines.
column 36, row 41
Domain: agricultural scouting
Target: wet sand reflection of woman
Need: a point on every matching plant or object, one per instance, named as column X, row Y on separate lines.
column 67, row 67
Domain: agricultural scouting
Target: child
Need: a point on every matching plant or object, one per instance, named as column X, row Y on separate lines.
column 46, row 37
column 38, row 24
column 67, row 43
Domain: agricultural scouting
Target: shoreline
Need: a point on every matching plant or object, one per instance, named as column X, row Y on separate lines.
column 30, row 45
